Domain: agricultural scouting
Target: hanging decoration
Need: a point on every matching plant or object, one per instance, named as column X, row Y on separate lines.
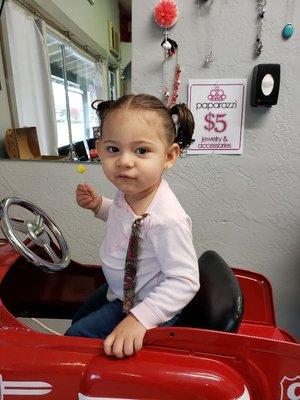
column 210, row 56
column 288, row 29
column 166, row 14
column 169, row 99
column 261, row 14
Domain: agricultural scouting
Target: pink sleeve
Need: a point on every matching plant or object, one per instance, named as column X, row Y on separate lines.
column 174, row 249
column 104, row 209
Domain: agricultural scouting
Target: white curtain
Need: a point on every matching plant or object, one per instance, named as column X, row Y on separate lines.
column 101, row 89
column 30, row 76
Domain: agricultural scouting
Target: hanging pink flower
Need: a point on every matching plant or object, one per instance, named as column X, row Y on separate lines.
column 166, row 13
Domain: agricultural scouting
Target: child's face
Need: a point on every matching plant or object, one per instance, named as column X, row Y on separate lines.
column 134, row 150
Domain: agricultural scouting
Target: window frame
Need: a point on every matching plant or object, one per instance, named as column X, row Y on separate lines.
column 63, row 41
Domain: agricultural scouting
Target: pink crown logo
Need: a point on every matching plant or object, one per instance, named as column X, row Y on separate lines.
column 216, row 94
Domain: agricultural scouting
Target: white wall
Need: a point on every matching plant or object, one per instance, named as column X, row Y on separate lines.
column 244, row 207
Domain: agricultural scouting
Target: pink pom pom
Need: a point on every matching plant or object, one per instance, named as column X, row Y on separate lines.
column 166, row 13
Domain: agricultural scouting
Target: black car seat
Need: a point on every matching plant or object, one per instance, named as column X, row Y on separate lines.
column 218, row 304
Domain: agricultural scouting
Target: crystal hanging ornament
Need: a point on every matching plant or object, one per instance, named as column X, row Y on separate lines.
column 261, row 14
column 175, row 86
column 166, row 46
column 209, row 59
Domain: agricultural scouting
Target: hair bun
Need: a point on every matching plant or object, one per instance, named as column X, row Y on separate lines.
column 184, row 125
column 101, row 106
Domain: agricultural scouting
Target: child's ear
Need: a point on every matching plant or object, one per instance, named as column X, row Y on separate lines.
column 172, row 155
column 98, row 146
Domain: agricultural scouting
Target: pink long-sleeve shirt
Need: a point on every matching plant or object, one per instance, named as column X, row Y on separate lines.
column 167, row 275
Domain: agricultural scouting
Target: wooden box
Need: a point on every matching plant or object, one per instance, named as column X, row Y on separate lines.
column 22, row 143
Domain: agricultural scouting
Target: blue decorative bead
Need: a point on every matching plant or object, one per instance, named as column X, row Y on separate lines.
column 287, row 31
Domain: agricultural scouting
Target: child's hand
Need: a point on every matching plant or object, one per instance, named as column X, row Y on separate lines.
column 87, row 197
column 126, row 338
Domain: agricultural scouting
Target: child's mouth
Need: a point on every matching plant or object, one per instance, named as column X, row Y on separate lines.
column 125, row 177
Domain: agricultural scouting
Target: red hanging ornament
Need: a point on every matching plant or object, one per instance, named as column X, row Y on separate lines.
column 166, row 13
column 170, row 99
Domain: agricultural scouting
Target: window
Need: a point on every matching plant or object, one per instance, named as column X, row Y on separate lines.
column 83, row 85
column 112, row 80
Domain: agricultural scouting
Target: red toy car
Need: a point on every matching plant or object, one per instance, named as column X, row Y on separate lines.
column 227, row 346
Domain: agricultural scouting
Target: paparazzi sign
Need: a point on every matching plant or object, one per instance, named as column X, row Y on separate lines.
column 218, row 107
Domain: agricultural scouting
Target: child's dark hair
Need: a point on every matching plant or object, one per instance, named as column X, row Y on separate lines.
column 178, row 120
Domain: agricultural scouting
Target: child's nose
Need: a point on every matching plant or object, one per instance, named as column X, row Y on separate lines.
column 125, row 161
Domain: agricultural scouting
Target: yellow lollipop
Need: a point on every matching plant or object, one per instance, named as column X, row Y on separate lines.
column 80, row 168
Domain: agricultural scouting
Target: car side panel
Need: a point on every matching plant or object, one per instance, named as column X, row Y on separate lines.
column 163, row 375
column 34, row 366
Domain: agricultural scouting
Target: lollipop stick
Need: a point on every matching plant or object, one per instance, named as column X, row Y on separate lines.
column 80, row 168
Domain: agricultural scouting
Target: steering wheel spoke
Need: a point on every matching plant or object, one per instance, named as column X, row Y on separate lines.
column 19, row 226
column 51, row 253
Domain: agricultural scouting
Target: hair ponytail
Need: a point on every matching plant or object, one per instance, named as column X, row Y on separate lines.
column 101, row 107
column 184, row 125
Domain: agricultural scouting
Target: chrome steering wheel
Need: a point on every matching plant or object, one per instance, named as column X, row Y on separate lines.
column 35, row 230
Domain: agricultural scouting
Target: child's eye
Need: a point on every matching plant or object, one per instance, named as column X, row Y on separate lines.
column 142, row 150
column 112, row 149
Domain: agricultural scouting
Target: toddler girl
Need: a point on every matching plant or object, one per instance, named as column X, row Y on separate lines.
column 147, row 255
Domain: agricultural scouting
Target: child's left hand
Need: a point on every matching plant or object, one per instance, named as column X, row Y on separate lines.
column 126, row 338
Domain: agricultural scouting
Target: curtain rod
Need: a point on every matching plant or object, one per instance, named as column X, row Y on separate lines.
column 84, row 47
